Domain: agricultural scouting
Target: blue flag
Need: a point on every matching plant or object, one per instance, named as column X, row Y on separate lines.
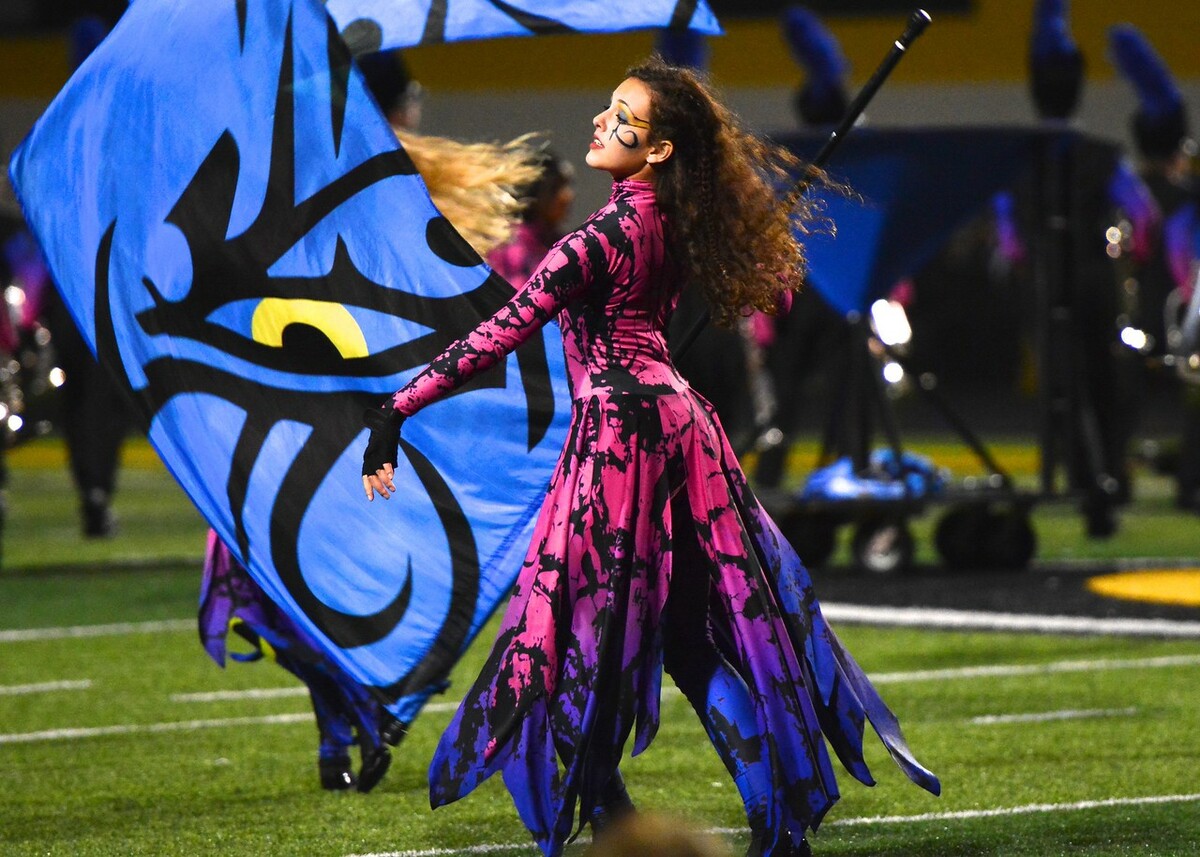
column 373, row 25
column 912, row 188
column 248, row 249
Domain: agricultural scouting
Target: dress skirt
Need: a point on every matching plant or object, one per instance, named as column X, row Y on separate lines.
column 577, row 665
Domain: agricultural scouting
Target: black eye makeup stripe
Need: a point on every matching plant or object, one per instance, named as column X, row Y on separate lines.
column 626, row 136
column 623, row 132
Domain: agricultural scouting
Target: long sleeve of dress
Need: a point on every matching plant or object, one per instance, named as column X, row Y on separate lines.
column 563, row 274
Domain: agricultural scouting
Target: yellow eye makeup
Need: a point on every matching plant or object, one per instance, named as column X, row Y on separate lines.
column 625, row 115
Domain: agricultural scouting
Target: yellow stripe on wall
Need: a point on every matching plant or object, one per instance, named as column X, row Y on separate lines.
column 34, row 67
column 989, row 44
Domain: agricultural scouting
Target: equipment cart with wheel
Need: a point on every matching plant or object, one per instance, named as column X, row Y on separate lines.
column 911, row 188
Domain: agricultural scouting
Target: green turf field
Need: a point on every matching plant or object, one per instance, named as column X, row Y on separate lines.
column 108, row 746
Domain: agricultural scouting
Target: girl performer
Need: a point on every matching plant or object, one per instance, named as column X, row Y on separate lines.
column 650, row 551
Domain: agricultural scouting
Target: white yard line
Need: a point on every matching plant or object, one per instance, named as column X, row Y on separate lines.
column 982, row 620
column 490, row 848
column 447, row 706
column 135, row 728
column 278, row 693
column 116, row 629
column 235, row 695
column 1028, row 809
column 74, row 733
column 44, row 687
column 1048, row 716
column 1008, row 670
column 919, row 617
column 985, row 671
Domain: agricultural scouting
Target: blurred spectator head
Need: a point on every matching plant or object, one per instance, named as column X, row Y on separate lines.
column 821, row 99
column 550, row 196
column 652, row 835
column 1160, row 125
column 1055, row 62
column 398, row 95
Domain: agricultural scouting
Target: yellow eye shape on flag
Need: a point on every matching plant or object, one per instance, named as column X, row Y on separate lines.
column 273, row 315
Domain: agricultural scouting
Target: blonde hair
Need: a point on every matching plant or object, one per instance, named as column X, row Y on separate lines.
column 475, row 184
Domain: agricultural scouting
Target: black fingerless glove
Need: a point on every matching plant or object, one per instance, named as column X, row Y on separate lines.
column 384, row 423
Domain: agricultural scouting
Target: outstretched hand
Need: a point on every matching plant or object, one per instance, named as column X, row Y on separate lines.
column 379, row 458
column 380, row 482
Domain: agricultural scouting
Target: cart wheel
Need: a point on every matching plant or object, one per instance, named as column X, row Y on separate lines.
column 958, row 536
column 883, row 547
column 1009, row 540
column 812, row 534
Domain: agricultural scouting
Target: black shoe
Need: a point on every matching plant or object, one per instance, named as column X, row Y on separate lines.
column 3, row 519
column 375, row 763
column 1099, row 516
column 99, row 522
column 392, row 731
column 613, row 806
column 1188, row 500
column 784, row 849
column 335, row 772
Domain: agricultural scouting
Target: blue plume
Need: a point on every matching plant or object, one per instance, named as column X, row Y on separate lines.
column 1138, row 63
column 86, row 34
column 1051, row 30
column 813, row 46
column 686, row 48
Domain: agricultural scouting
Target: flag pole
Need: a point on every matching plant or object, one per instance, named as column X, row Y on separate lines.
column 917, row 22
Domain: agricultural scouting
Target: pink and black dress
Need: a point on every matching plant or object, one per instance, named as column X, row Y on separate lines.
column 650, row 551
column 517, row 259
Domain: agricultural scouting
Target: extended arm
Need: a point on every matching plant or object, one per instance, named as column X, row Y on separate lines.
column 563, row 274
column 560, row 276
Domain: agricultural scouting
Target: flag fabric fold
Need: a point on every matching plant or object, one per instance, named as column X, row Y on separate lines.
column 374, row 25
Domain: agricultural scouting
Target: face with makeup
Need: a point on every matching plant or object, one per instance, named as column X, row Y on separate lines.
column 621, row 140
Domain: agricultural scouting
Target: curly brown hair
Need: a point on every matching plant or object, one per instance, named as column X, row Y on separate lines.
column 733, row 224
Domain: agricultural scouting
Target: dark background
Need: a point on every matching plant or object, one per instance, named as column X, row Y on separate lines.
column 45, row 15
column 835, row 8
